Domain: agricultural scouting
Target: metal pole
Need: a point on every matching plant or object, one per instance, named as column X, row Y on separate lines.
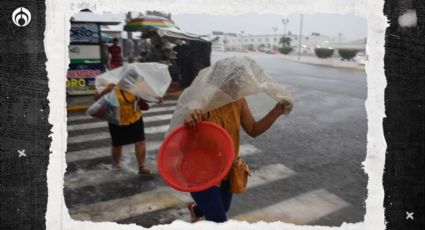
column 130, row 45
column 300, row 37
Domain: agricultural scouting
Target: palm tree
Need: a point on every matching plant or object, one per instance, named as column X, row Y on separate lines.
column 285, row 41
column 286, row 45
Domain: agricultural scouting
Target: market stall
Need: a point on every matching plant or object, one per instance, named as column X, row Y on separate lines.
column 165, row 42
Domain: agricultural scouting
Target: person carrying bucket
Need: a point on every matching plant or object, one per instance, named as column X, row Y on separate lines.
column 217, row 96
column 213, row 203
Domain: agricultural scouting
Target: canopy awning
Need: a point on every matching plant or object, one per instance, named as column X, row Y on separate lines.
column 174, row 32
column 148, row 22
column 105, row 19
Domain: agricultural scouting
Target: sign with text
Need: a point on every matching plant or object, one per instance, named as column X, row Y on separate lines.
column 84, row 54
column 81, row 78
column 84, row 33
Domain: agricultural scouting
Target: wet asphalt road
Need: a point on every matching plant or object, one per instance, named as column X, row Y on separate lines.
column 307, row 168
column 323, row 139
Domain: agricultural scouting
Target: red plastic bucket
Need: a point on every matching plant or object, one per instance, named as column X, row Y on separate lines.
column 194, row 160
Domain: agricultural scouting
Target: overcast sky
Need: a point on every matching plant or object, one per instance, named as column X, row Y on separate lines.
column 352, row 27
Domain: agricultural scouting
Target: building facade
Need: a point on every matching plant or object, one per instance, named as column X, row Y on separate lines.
column 270, row 42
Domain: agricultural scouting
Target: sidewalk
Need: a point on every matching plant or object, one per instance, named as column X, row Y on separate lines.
column 330, row 62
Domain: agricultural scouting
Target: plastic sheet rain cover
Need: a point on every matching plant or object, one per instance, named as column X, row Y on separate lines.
column 146, row 80
column 228, row 80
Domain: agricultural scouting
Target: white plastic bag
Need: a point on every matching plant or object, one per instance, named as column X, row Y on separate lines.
column 228, row 80
column 146, row 80
column 106, row 108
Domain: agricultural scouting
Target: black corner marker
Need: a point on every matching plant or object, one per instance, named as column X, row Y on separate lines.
column 24, row 135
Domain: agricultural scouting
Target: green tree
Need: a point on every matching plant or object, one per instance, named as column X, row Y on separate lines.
column 159, row 13
column 286, row 45
column 285, row 41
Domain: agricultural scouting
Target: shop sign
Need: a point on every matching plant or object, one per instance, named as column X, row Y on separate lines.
column 84, row 33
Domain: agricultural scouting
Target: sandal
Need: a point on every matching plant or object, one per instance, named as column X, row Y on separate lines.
column 145, row 171
column 194, row 217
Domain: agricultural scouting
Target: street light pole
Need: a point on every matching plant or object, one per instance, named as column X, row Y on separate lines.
column 339, row 39
column 300, row 37
column 284, row 21
column 274, row 37
column 130, row 46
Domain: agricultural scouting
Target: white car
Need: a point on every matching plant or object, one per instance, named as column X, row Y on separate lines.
column 361, row 58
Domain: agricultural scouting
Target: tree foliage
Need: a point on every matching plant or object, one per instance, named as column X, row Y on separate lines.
column 285, row 41
column 347, row 54
column 324, row 52
column 159, row 14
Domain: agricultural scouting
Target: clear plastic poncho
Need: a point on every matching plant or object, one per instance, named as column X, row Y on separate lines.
column 148, row 80
column 228, row 80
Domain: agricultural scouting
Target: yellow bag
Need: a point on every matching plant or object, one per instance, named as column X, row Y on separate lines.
column 239, row 176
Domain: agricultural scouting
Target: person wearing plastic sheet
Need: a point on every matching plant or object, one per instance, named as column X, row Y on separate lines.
column 131, row 129
column 213, row 203
column 114, row 50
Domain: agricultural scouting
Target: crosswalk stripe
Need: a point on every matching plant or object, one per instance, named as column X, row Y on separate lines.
column 123, row 208
column 99, row 176
column 247, row 149
column 101, row 124
column 106, row 151
column 269, row 173
column 302, row 209
column 157, row 199
column 152, row 110
column 106, row 135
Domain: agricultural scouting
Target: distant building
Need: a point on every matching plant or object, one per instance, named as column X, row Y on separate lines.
column 239, row 42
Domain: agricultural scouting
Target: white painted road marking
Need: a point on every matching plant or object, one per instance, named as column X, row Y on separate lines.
column 152, row 110
column 302, row 209
column 248, row 149
column 106, row 151
column 123, row 208
column 160, row 198
column 106, row 135
column 104, row 124
column 269, row 173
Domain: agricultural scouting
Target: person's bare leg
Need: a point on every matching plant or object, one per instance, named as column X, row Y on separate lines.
column 116, row 156
column 140, row 149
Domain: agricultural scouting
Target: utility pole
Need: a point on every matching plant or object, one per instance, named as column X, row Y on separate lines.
column 339, row 39
column 274, row 37
column 300, row 36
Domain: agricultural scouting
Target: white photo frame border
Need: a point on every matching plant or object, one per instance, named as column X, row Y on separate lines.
column 56, row 43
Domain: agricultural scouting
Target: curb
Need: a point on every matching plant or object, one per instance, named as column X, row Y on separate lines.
column 84, row 107
column 77, row 108
column 325, row 65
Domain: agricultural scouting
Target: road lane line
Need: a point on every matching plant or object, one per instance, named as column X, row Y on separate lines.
column 105, row 135
column 154, row 200
column 101, row 124
column 268, row 174
column 302, row 209
column 106, row 151
column 124, row 208
column 152, row 110
column 93, row 153
column 247, row 150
